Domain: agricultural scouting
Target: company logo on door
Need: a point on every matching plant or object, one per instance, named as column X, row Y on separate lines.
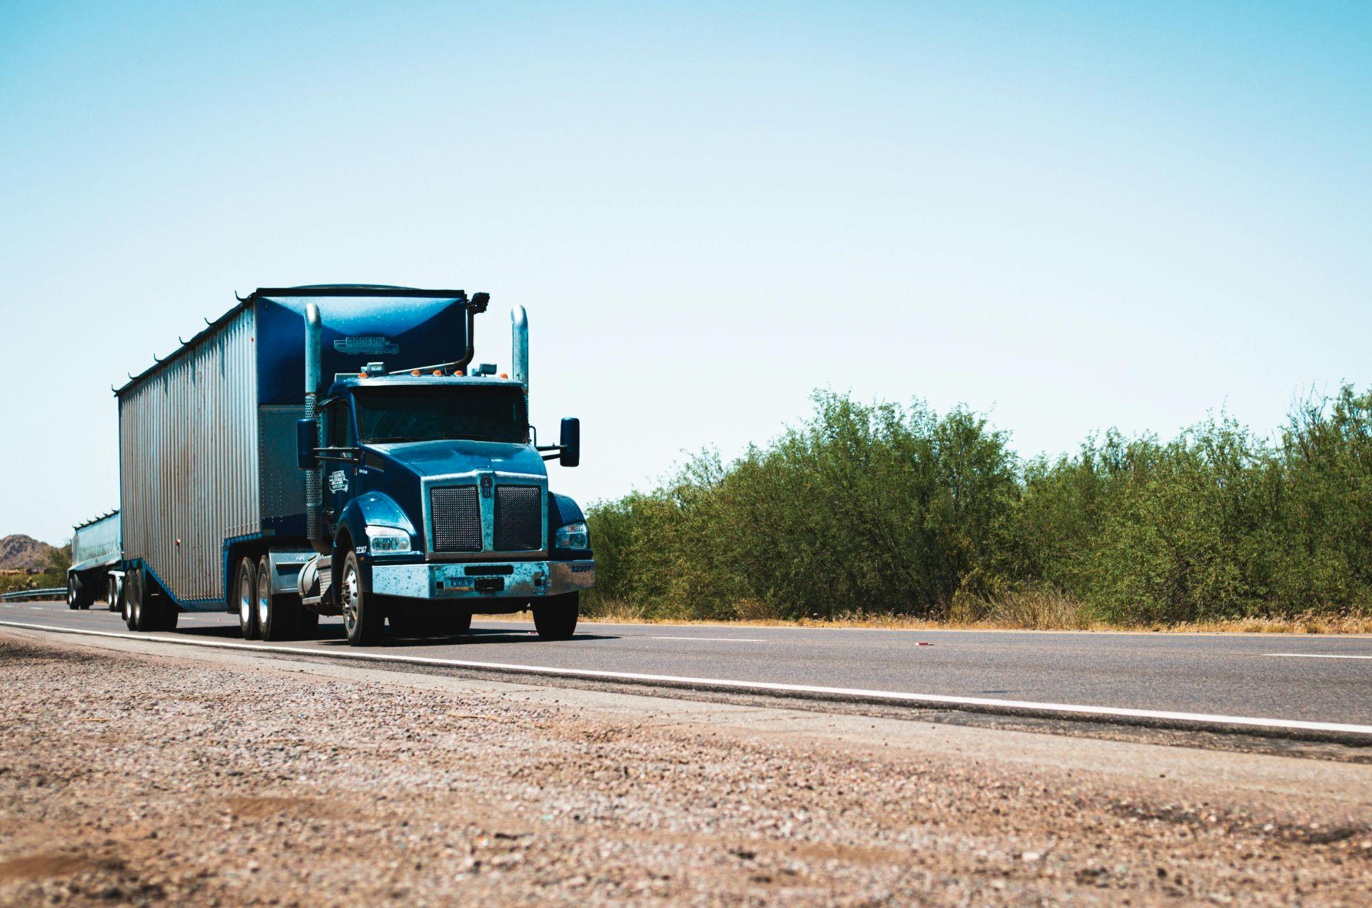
column 338, row 481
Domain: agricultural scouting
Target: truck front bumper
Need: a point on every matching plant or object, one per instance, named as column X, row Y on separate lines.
column 518, row 580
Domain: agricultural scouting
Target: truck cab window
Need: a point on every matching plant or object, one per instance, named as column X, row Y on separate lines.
column 338, row 415
column 442, row 413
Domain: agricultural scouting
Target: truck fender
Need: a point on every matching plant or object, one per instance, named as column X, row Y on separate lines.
column 371, row 509
column 562, row 511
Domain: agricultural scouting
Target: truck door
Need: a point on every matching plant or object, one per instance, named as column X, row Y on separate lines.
column 340, row 471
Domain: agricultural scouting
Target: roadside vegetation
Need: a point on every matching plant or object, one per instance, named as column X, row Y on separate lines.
column 52, row 574
column 886, row 513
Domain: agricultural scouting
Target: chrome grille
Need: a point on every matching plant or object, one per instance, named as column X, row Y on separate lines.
column 456, row 515
column 518, row 518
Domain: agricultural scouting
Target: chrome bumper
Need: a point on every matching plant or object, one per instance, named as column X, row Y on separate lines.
column 528, row 579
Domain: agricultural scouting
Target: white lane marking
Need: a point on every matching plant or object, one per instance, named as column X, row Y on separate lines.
column 1314, row 656
column 715, row 639
column 728, row 684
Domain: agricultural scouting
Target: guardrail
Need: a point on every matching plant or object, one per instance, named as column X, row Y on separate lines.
column 53, row 592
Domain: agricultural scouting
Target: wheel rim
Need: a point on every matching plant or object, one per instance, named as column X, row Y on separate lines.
column 264, row 599
column 71, row 593
column 351, row 600
column 245, row 595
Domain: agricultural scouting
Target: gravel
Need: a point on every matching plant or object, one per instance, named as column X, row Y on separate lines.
column 138, row 779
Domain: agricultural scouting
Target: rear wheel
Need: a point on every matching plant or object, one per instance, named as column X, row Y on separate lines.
column 126, row 600
column 144, row 612
column 362, row 615
column 555, row 617
column 112, row 592
column 276, row 614
column 245, row 589
column 73, row 591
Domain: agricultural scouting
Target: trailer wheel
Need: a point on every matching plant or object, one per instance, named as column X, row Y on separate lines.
column 555, row 617
column 112, row 592
column 73, row 591
column 362, row 615
column 246, row 587
column 126, row 600
column 276, row 615
column 144, row 612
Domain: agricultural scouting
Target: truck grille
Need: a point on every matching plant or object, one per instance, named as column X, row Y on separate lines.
column 456, row 515
column 518, row 518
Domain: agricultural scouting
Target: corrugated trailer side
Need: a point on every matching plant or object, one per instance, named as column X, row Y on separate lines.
column 188, row 450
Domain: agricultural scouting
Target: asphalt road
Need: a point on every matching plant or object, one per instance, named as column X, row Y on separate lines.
column 1267, row 678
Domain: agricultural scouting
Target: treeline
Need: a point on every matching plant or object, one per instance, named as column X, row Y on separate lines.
column 883, row 509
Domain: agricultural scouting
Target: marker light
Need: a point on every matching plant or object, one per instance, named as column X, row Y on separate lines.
column 414, row 372
column 438, row 372
column 503, row 375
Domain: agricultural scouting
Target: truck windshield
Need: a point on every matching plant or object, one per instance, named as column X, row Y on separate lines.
column 409, row 413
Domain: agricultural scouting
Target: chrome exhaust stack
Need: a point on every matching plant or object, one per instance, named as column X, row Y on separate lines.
column 314, row 366
column 519, row 346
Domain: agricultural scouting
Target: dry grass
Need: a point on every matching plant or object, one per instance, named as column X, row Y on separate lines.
column 1039, row 611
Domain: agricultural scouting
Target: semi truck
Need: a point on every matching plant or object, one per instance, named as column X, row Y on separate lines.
column 96, row 557
column 336, row 450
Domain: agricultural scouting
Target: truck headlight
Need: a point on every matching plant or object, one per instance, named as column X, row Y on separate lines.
column 387, row 540
column 572, row 536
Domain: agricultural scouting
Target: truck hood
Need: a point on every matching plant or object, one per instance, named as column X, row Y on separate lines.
column 440, row 458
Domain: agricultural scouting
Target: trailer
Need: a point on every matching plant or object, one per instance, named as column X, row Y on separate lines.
column 96, row 556
column 330, row 450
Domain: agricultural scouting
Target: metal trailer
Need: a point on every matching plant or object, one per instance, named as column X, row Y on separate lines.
column 96, row 553
column 207, row 436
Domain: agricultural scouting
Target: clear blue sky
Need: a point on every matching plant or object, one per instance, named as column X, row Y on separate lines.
column 1070, row 216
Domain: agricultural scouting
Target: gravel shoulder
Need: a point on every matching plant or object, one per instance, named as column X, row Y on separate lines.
column 136, row 775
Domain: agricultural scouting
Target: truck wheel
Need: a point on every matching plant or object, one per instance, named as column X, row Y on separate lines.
column 73, row 592
column 275, row 614
column 245, row 586
column 126, row 600
column 112, row 592
column 555, row 617
column 145, row 612
column 362, row 615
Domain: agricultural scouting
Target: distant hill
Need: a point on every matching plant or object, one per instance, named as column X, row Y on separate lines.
column 19, row 552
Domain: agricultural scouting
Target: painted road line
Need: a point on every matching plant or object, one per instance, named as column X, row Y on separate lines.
column 1024, row 707
column 715, row 639
column 1314, row 656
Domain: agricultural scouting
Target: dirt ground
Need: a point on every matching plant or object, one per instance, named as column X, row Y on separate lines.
column 148, row 779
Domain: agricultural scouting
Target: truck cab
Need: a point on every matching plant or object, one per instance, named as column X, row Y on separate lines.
column 435, row 504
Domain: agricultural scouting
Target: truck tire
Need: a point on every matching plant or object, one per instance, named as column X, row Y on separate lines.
column 555, row 617
column 275, row 614
column 73, row 591
column 112, row 592
column 125, row 602
column 245, row 593
column 362, row 614
column 143, row 611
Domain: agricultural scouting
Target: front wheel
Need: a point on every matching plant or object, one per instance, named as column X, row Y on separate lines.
column 362, row 615
column 555, row 617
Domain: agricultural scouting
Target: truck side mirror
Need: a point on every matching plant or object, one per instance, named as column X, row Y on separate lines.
column 571, row 442
column 306, row 440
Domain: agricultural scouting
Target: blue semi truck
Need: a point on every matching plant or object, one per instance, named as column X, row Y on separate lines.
column 336, row 450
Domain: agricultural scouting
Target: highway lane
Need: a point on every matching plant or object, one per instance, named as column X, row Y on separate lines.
column 1270, row 677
